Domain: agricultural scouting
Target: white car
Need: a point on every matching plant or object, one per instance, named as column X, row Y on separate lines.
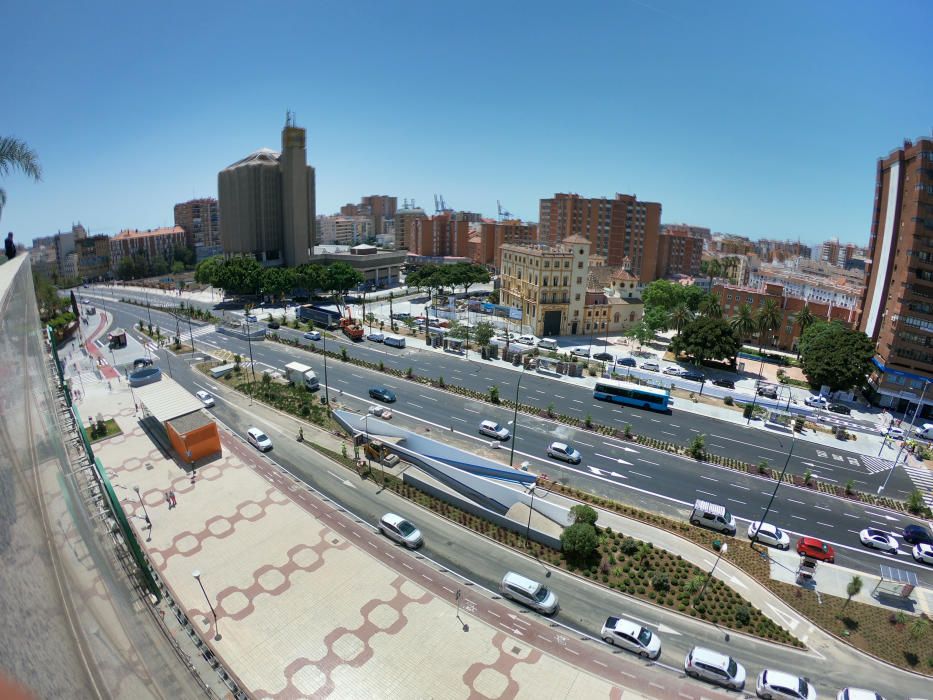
column 383, row 412
column 858, row 694
column 923, row 553
column 784, row 686
column 894, row 432
column 395, row 527
column 714, row 667
column 766, row 533
column 312, row 335
column 564, row 452
column 878, row 539
column 206, row 398
column 626, row 634
column 816, row 401
column 258, row 439
column 674, row 370
column 376, row 337
column 580, row 352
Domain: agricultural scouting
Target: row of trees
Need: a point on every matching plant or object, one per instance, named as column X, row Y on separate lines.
column 244, row 275
column 437, row 278
column 137, row 266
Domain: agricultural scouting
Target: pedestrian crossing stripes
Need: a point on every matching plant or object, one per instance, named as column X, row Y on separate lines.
column 923, row 480
column 874, row 465
column 197, row 331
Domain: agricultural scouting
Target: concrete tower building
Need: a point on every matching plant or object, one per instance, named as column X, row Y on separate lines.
column 267, row 203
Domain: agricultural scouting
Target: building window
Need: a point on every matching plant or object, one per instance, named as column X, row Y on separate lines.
column 577, row 297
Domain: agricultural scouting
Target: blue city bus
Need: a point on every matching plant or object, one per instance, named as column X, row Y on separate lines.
column 632, row 394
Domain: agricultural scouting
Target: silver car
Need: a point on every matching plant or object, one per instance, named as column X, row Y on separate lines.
column 395, row 527
column 564, row 452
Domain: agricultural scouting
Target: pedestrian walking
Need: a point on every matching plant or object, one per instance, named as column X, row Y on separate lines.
column 9, row 246
column 171, row 495
column 168, row 498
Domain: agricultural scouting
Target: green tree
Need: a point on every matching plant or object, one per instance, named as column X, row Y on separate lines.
column 309, row 277
column 579, row 542
column 680, row 317
column 641, row 332
column 339, row 278
column 466, row 275
column 208, row 270
column 583, row 513
column 240, row 275
column 707, row 339
column 17, row 155
column 804, row 320
column 853, row 588
column 483, row 333
column 661, row 294
column 835, row 356
column 743, row 323
column 278, row 282
column 657, row 319
column 710, row 307
column 711, row 268
column 768, row 319
column 159, row 266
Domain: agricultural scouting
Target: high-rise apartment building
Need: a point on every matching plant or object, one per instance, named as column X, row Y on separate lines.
column 680, row 250
column 405, row 219
column 150, row 244
column 345, row 230
column 267, row 203
column 445, row 235
column 487, row 238
column 897, row 311
column 200, row 219
column 617, row 228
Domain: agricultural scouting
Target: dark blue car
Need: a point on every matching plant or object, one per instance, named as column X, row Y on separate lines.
column 917, row 534
column 383, row 394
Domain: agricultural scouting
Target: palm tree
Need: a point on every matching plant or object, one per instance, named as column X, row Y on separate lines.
column 17, row 155
column 709, row 307
column 769, row 318
column 680, row 317
column 805, row 319
column 711, row 268
column 743, row 323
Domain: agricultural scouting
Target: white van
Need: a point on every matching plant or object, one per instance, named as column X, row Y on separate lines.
column 925, row 431
column 526, row 340
column 547, row 344
column 528, row 592
column 713, row 516
column 394, row 341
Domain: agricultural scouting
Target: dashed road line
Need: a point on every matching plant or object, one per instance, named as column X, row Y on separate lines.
column 736, row 500
column 708, row 478
column 631, row 471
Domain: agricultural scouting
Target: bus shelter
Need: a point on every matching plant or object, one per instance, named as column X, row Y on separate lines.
column 898, row 583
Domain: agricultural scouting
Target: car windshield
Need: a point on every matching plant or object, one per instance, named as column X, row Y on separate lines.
column 406, row 528
column 802, row 687
column 260, row 437
column 644, row 636
column 732, row 668
column 542, row 594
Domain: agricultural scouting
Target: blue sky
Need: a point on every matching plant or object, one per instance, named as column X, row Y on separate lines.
column 761, row 119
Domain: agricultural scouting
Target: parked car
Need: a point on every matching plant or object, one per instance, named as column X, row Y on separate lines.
column 381, row 393
column 580, row 352
column 376, row 337
column 923, row 553
column 604, row 357
column 917, row 534
column 816, row 549
column 527, row 340
column 724, row 383
column 312, row 335
column 650, row 366
column 564, row 452
column 395, row 527
column 878, row 539
column 273, row 325
column 383, row 412
column 779, row 685
column 494, row 430
column 768, row 392
column 629, row 635
column 816, row 401
column 839, row 408
column 401, row 315
column 674, row 370
column 141, row 362
column 626, row 361
column 528, row 592
column 693, row 376
column 251, row 318
column 258, row 439
column 714, row 667
column 895, row 432
column 769, row 534
column 858, row 694
column 206, row 398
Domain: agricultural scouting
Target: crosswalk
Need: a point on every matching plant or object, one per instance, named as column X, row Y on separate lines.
column 874, row 465
column 923, row 480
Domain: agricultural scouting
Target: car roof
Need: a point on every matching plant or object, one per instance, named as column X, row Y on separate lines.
column 392, row 518
column 925, row 547
column 916, row 528
column 627, row 627
column 710, row 657
column 876, row 531
column 256, row 432
column 814, row 541
column 559, row 445
column 781, row 678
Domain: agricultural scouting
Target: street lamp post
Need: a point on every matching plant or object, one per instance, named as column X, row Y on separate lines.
column 722, row 550
column 910, row 431
column 780, row 479
column 326, row 385
column 531, row 510
column 755, row 397
column 518, row 385
column 145, row 514
column 197, row 576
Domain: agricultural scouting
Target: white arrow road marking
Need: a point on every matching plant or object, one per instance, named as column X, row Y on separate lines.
column 614, row 459
column 789, row 620
column 737, row 581
column 664, row 629
column 345, row 482
column 600, row 472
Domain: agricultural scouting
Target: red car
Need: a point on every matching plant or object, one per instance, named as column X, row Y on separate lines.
column 816, row 549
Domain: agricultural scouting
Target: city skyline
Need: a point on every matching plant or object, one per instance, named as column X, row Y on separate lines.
column 732, row 117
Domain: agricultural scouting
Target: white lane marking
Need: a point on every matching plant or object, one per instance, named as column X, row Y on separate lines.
column 574, row 400
column 798, row 517
column 674, row 426
column 463, row 420
column 708, row 478
column 823, row 524
column 706, row 492
column 664, row 432
column 632, row 471
column 849, row 515
column 735, row 500
column 415, row 405
column 342, row 381
column 646, row 461
column 745, row 488
column 429, row 398
column 358, row 376
column 469, row 410
column 793, row 500
column 822, row 507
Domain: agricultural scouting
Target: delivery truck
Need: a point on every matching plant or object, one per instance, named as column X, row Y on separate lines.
column 301, row 375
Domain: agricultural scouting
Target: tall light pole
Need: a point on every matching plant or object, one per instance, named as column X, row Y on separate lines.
column 910, row 431
column 518, row 385
column 326, row 385
column 145, row 514
column 780, row 479
column 755, row 397
column 197, row 577
column 531, row 510
column 722, row 550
